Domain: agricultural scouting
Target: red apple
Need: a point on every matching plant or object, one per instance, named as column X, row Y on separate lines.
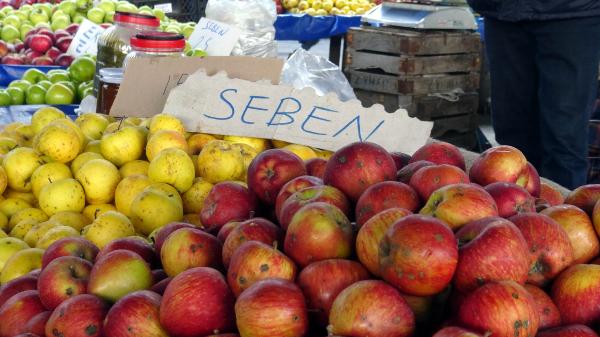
column 453, row 331
column 405, row 174
column 316, row 167
column 534, row 182
column 504, row 309
column 12, row 59
column 227, row 201
column 272, row 307
column 551, row 195
column 256, row 229
column 580, row 230
column 40, row 43
column 42, row 61
column 547, row 310
column 318, row 231
column 63, row 43
column 459, row 204
column 165, row 231
column 135, row 315
column 17, row 311
column 270, row 170
column 550, row 249
column 135, row 244
column 53, row 53
column 17, row 285
column 62, row 279
column 371, row 308
column 440, row 153
column 422, row 307
column 254, row 261
column 501, row 163
column 322, row 281
column 511, row 199
column 385, row 195
column 576, row 293
column 19, row 47
column 418, row 255
column 584, row 197
column 226, row 230
column 428, row 179
column 60, row 33
column 196, row 303
column 187, row 248
column 323, row 193
column 356, row 166
column 47, row 32
column 491, row 249
column 64, row 60
column 225, row 335
column 119, row 273
column 3, row 49
column 72, row 28
column 370, row 235
column 82, row 315
column 37, row 324
column 576, row 330
column 292, row 187
column 161, row 285
column 400, row 159
column 73, row 246
column 158, row 275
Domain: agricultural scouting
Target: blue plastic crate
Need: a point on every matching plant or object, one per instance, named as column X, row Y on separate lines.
column 23, row 113
column 11, row 72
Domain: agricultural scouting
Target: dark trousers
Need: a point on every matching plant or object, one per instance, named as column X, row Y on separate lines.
column 544, row 76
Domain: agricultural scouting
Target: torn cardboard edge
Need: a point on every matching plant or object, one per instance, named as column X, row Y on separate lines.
column 220, row 104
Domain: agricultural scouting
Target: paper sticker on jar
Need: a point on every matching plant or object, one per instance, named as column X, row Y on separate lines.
column 214, row 37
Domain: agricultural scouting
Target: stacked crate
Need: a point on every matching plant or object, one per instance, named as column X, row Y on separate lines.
column 434, row 75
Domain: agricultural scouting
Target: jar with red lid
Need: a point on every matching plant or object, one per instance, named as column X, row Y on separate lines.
column 156, row 44
column 114, row 42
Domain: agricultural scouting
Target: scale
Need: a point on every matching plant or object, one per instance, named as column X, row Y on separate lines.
column 422, row 15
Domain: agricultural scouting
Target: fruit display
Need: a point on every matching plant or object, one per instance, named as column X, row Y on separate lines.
column 328, row 7
column 41, row 47
column 135, row 227
column 58, row 86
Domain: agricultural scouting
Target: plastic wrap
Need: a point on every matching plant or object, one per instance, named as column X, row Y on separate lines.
column 304, row 69
column 255, row 18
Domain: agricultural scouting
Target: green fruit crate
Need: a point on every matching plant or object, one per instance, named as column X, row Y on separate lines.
column 182, row 10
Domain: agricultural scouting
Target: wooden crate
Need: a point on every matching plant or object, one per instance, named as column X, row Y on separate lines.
column 467, row 140
column 402, row 41
column 412, row 65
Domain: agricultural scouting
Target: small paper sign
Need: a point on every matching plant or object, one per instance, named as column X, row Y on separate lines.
column 166, row 8
column 85, row 40
column 222, row 105
column 214, row 37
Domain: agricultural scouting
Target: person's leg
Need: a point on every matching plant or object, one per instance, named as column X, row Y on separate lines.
column 511, row 55
column 567, row 60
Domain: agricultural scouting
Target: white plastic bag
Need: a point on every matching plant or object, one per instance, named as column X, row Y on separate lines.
column 255, row 18
column 304, row 69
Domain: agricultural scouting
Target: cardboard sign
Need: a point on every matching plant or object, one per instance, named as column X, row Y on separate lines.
column 222, row 105
column 166, row 8
column 148, row 81
column 214, row 37
column 85, row 40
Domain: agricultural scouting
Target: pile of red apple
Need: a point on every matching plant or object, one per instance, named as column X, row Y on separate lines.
column 41, row 47
column 338, row 251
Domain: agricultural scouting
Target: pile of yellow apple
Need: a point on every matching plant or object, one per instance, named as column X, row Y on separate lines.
column 328, row 7
column 105, row 178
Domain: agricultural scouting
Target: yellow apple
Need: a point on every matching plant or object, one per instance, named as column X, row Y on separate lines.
column 167, row 190
column 166, row 122
column 69, row 123
column 19, row 165
column 21, row 263
column 92, row 212
column 193, row 198
column 44, row 116
column 22, row 228
column 3, row 222
column 127, row 190
column 303, row 5
column 48, row 173
column 248, row 154
column 26, row 196
column 328, row 5
column 197, row 141
column 304, row 152
column 124, row 145
column 165, row 139
column 341, row 4
column 3, row 234
column 25, row 214
column 93, row 146
column 83, row 158
column 114, row 126
column 279, row 143
column 99, row 179
column 3, row 180
column 174, row 167
column 10, row 206
column 38, row 230
column 134, row 167
column 9, row 247
column 7, row 144
column 55, row 234
column 108, row 227
column 152, row 209
column 62, row 195
column 72, row 219
column 134, row 120
column 92, row 124
column 259, row 144
column 194, row 219
column 220, row 161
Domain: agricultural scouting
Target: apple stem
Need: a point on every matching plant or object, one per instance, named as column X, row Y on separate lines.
column 275, row 243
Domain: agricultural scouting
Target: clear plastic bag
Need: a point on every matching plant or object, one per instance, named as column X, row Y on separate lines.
column 304, row 69
column 255, row 18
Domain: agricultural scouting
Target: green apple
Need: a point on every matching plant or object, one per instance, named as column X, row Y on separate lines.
column 82, row 69
column 38, row 15
column 69, row 85
column 36, row 94
column 173, row 28
column 10, row 34
column 96, row 15
column 145, row 12
column 81, row 89
column 46, row 7
column 83, row 3
column 21, row 84
column 145, row 8
column 68, row 7
column 46, row 84
column 58, row 75
column 7, row 10
column 2, row 15
column 5, row 98
column 197, row 53
column 43, row 25
column 128, row 8
column 25, row 28
column 58, row 13
column 159, row 13
column 188, row 47
column 21, row 15
column 109, row 17
column 78, row 18
column 60, row 94
column 187, row 31
column 33, row 76
column 12, row 20
column 17, row 95
column 60, row 22
column 107, row 6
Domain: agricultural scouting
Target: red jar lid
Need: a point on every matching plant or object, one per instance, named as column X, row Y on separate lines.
column 137, row 19
column 158, row 40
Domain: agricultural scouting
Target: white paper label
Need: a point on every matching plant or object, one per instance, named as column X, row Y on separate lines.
column 166, row 8
column 214, row 37
column 85, row 40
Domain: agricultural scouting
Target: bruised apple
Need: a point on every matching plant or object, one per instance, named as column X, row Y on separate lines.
column 292, row 187
column 576, row 293
column 547, row 310
column 385, row 195
column 440, row 153
column 511, row 199
column 430, row 178
column 500, row 164
column 255, row 229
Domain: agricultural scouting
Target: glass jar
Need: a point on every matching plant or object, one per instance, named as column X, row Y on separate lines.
column 113, row 43
column 156, row 44
column 110, row 80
